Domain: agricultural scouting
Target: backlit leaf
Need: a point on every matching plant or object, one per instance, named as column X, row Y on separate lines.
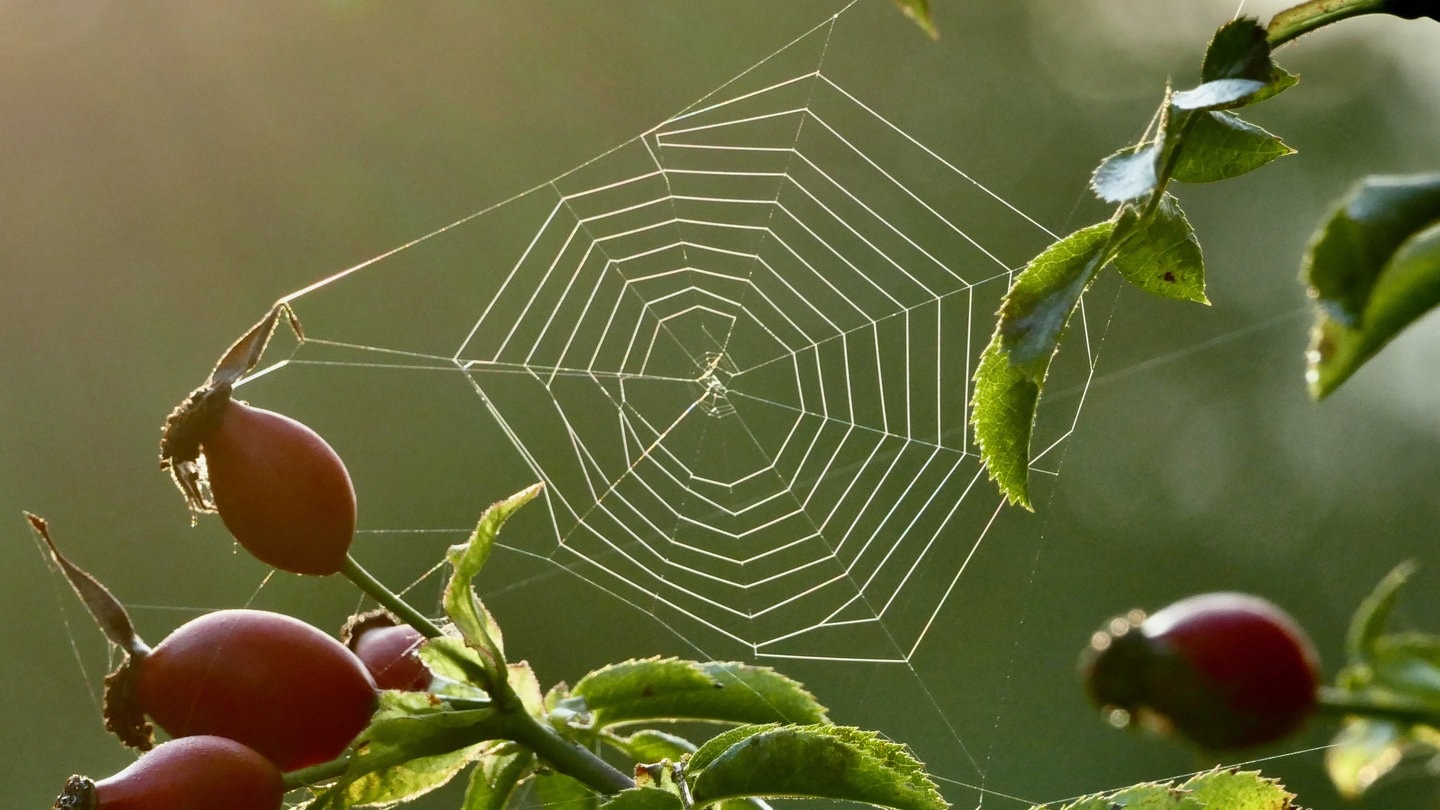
column 1163, row 256
column 1216, row 94
column 816, row 761
column 919, row 11
column 672, row 689
column 1127, row 175
column 1220, row 145
column 1363, row 751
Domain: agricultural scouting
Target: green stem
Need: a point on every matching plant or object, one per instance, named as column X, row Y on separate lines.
column 387, row 598
column 317, row 774
column 1381, row 705
column 1308, row 16
column 567, row 757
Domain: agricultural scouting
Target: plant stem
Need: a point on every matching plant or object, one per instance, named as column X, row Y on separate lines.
column 1378, row 704
column 387, row 598
column 567, row 757
column 1308, row 16
column 316, row 774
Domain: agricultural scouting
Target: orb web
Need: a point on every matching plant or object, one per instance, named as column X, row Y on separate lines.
column 738, row 352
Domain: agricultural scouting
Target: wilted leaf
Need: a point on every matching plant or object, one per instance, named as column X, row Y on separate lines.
column 1162, row 256
column 1220, row 145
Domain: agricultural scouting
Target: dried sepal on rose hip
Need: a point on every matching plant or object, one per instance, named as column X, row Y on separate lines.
column 281, row 489
column 280, row 686
column 1224, row 670
column 389, row 648
column 192, row 773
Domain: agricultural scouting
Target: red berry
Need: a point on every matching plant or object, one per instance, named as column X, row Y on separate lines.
column 270, row 681
column 282, row 491
column 1226, row 670
column 191, row 773
column 392, row 654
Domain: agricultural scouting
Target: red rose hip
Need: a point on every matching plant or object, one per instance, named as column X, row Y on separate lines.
column 1225, row 670
column 281, row 490
column 270, row 681
column 392, row 654
column 191, row 773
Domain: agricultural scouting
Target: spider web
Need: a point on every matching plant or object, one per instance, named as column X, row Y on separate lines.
column 737, row 350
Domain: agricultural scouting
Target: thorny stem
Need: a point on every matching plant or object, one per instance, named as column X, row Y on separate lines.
column 387, row 598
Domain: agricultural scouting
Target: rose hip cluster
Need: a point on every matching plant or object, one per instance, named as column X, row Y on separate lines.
column 244, row 695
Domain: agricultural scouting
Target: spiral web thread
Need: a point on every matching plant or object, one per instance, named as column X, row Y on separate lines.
column 737, row 350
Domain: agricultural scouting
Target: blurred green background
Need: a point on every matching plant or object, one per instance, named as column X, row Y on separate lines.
column 170, row 169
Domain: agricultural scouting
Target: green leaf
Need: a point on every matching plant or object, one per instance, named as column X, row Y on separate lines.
column 1012, row 368
column 551, row 789
column 1215, row 94
column 1280, row 81
column 1239, row 50
column 1039, row 303
column 1409, row 664
column 1349, row 252
column 1162, row 255
column 645, row 798
column 1220, row 145
column 1231, row 790
column 476, row 625
column 1404, row 289
column 722, row 742
column 1369, row 620
column 919, row 11
column 496, row 775
column 449, row 658
column 414, row 744
column 1003, row 414
column 1243, row 790
column 652, row 745
column 1363, row 751
column 817, row 761
column 672, row 689
column 1127, row 175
